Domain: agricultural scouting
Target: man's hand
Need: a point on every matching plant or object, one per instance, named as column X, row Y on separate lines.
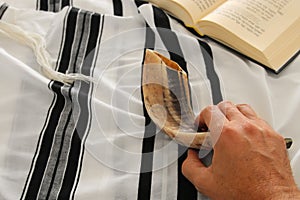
column 250, row 159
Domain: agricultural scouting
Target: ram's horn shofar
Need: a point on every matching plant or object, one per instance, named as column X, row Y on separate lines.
column 167, row 100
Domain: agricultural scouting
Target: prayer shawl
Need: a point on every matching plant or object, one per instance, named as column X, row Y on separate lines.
column 72, row 117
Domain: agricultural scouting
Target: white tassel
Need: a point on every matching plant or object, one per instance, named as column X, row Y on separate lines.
column 38, row 45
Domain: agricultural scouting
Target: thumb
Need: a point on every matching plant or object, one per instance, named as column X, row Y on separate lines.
column 194, row 170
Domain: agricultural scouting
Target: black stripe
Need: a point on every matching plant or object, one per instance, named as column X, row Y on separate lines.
column 60, row 151
column 39, row 142
column 211, row 73
column 3, row 8
column 88, row 53
column 145, row 179
column 43, row 5
column 138, row 3
column 68, row 40
column 74, row 159
column 168, row 37
column 186, row 190
column 46, row 143
column 102, row 19
column 92, row 43
column 118, row 7
column 65, row 3
column 32, row 187
column 150, row 38
column 214, row 84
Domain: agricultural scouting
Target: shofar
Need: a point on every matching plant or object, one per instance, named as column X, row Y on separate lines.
column 167, row 100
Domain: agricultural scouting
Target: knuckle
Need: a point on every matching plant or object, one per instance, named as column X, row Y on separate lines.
column 225, row 104
column 207, row 111
column 251, row 127
column 228, row 129
column 230, row 110
column 210, row 108
column 243, row 105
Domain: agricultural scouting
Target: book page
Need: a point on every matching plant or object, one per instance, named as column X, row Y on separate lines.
column 257, row 21
column 199, row 8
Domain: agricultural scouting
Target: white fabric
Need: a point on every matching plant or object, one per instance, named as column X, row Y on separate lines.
column 37, row 44
column 112, row 156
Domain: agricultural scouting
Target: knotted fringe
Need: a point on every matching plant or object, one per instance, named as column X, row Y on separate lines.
column 38, row 45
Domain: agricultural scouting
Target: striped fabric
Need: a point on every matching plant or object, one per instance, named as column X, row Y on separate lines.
column 95, row 140
column 57, row 162
column 59, row 152
column 52, row 5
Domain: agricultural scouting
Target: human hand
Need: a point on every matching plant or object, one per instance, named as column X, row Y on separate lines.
column 250, row 159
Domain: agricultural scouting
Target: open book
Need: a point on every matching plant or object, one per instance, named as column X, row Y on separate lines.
column 266, row 31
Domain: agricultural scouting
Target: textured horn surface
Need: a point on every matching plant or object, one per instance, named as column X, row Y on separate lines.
column 167, row 99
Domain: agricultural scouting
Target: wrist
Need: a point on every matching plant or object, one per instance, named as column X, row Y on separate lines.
column 274, row 190
column 286, row 194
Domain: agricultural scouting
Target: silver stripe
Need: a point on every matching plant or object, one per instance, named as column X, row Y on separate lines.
column 89, row 98
column 76, row 44
column 78, row 52
column 54, row 5
column 57, row 142
column 61, row 168
column 50, row 5
column 82, row 49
